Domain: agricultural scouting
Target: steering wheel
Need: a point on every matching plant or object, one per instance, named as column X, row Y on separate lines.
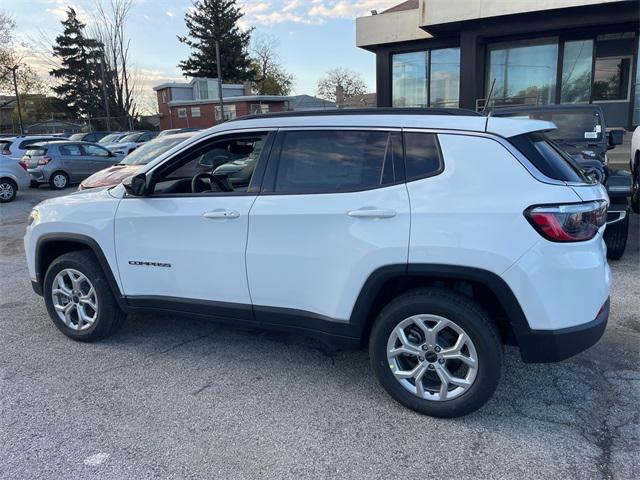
column 216, row 184
column 198, row 185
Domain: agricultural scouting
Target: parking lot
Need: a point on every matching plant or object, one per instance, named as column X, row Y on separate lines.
column 174, row 397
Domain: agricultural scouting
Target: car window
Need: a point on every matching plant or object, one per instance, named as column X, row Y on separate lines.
column 328, row 161
column 422, row 155
column 91, row 137
column 5, row 147
column 95, row 151
column 70, row 150
column 145, row 153
column 36, row 151
column 77, row 137
column 146, row 137
column 231, row 160
column 133, row 137
column 108, row 138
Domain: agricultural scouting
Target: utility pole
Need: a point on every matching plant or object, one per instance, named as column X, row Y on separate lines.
column 219, row 80
column 15, row 89
column 104, row 92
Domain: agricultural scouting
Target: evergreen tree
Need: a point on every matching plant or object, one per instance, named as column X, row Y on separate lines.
column 79, row 73
column 212, row 20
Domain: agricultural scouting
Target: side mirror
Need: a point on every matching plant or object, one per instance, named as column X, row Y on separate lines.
column 616, row 137
column 136, row 185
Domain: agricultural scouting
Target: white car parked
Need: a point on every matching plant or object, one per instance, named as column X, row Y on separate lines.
column 13, row 177
column 634, row 166
column 128, row 143
column 15, row 147
column 430, row 237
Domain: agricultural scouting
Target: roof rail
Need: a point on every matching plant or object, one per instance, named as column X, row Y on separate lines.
column 362, row 111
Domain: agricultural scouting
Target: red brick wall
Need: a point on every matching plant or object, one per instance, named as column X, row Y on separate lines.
column 207, row 114
column 163, row 108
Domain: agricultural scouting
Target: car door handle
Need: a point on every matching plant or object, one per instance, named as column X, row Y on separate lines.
column 221, row 214
column 372, row 213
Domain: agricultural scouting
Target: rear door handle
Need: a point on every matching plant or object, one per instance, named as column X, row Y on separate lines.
column 221, row 214
column 372, row 213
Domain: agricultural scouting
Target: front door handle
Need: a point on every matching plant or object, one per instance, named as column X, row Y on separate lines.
column 221, row 214
column 372, row 213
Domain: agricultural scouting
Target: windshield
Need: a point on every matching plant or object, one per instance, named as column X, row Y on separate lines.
column 573, row 126
column 110, row 138
column 151, row 150
column 132, row 137
column 77, row 137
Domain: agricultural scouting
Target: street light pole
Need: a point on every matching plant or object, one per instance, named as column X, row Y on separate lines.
column 104, row 92
column 219, row 81
column 15, row 89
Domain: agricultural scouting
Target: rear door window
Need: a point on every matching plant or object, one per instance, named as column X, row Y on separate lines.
column 548, row 157
column 331, row 161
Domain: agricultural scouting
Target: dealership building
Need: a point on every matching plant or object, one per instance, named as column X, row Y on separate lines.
column 453, row 53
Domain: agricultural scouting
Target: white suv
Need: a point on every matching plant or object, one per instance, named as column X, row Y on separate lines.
column 435, row 238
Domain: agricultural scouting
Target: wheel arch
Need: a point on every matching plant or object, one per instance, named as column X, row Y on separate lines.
column 51, row 246
column 491, row 292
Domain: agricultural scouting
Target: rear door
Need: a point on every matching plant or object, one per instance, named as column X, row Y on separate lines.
column 74, row 161
column 334, row 208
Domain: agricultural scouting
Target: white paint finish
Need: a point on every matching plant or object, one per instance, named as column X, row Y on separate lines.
column 561, row 285
column 389, row 28
column 306, row 252
column 472, row 214
column 97, row 459
column 206, row 254
column 510, row 127
column 88, row 213
column 435, row 12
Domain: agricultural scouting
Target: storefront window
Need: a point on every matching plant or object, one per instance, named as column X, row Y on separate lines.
column 410, row 79
column 524, row 72
column 444, row 81
column 611, row 78
column 576, row 72
column 427, row 79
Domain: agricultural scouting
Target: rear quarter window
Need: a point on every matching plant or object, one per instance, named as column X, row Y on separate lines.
column 36, row 151
column 422, row 155
column 548, row 157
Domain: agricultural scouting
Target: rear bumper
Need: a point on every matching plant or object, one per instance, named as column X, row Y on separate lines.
column 538, row 346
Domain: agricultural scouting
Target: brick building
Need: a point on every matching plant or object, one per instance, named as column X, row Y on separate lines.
column 196, row 103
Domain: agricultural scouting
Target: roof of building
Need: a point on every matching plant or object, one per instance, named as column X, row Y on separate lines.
column 190, row 83
column 408, row 5
column 229, row 100
column 308, row 102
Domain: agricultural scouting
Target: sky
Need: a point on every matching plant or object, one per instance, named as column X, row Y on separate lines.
column 314, row 35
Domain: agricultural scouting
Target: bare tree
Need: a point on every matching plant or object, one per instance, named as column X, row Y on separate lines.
column 270, row 77
column 350, row 83
column 12, row 56
column 111, row 30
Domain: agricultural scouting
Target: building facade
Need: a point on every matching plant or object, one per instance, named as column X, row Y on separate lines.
column 196, row 104
column 444, row 53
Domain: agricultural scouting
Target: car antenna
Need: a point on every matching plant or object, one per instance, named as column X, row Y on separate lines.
column 486, row 102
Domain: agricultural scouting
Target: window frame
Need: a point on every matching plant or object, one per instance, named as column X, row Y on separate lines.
column 273, row 165
column 257, row 179
column 629, row 82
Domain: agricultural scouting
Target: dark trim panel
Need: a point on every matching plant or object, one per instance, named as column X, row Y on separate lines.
column 237, row 311
column 51, row 238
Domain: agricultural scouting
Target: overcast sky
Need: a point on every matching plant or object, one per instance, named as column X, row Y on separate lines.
column 314, row 35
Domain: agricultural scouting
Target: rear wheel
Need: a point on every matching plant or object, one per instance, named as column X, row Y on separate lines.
column 59, row 181
column 615, row 236
column 79, row 299
column 8, row 190
column 437, row 352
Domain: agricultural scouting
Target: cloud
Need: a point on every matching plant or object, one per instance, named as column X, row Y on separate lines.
column 59, row 9
column 169, row 13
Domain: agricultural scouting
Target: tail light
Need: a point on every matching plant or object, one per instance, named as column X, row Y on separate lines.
column 575, row 222
column 23, row 162
column 44, row 160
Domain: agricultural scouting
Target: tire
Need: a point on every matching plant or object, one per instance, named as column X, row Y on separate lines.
column 55, row 180
column 615, row 236
column 635, row 196
column 8, row 190
column 34, row 184
column 107, row 316
column 466, row 315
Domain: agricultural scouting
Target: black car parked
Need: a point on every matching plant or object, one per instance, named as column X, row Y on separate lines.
column 582, row 134
column 88, row 136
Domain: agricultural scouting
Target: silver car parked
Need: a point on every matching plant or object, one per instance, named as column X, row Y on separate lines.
column 63, row 163
column 13, row 177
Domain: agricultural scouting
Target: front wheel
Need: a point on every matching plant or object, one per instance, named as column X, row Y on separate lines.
column 437, row 352
column 79, row 299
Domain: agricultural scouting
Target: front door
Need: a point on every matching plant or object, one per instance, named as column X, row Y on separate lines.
column 334, row 209
column 184, row 243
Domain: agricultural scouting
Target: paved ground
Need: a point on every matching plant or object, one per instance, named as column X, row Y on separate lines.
column 176, row 398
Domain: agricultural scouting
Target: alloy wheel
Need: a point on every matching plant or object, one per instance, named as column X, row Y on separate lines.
column 60, row 181
column 6, row 191
column 74, row 299
column 432, row 357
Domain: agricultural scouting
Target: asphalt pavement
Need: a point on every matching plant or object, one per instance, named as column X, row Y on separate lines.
column 172, row 397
